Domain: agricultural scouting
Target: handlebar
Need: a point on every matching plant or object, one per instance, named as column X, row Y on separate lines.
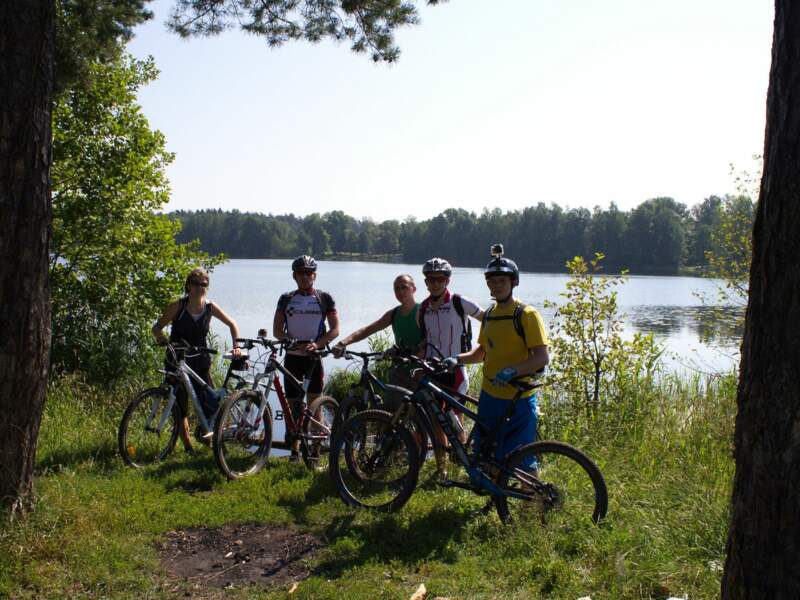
column 249, row 343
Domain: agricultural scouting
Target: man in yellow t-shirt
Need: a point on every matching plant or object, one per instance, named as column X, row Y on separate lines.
column 512, row 344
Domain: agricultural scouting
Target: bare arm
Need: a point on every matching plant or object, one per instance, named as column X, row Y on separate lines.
column 278, row 325
column 538, row 357
column 330, row 335
column 216, row 311
column 170, row 312
column 367, row 330
column 476, row 355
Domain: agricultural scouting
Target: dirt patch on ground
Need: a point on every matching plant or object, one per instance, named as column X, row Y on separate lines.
column 238, row 555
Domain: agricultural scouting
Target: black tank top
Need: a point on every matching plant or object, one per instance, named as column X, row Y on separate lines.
column 184, row 327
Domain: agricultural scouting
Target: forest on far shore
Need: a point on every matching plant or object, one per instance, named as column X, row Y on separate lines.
column 660, row 236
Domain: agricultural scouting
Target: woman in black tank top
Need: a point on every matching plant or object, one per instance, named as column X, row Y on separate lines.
column 190, row 318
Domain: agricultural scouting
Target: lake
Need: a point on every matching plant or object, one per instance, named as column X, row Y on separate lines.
column 248, row 290
column 668, row 307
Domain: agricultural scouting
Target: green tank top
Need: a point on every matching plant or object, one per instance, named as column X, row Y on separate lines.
column 406, row 331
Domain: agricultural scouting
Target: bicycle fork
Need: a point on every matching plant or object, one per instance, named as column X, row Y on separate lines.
column 164, row 415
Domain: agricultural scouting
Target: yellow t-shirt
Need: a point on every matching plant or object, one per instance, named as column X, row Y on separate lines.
column 504, row 347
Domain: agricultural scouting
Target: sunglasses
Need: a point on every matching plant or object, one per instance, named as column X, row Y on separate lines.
column 202, row 284
column 435, row 279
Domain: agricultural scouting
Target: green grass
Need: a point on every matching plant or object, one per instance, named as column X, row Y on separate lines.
column 665, row 454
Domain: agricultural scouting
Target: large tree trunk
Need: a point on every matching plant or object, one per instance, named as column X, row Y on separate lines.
column 26, row 90
column 764, row 539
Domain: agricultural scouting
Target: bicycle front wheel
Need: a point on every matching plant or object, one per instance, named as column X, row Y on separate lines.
column 148, row 431
column 317, row 432
column 551, row 482
column 242, row 440
column 374, row 464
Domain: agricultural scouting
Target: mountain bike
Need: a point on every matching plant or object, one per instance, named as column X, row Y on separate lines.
column 375, row 463
column 149, row 426
column 243, row 433
column 369, row 392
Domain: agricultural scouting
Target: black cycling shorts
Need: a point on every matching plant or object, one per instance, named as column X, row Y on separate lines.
column 303, row 366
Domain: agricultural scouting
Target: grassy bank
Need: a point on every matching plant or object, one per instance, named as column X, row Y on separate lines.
column 665, row 454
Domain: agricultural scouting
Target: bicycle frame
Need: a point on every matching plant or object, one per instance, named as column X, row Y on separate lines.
column 183, row 375
column 478, row 479
column 293, row 427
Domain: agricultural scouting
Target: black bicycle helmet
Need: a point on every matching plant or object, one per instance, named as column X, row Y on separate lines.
column 304, row 263
column 437, row 265
column 502, row 265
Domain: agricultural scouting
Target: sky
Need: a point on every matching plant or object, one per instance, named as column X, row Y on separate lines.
column 492, row 104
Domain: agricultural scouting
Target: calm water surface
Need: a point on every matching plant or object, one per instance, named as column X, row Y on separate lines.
column 666, row 306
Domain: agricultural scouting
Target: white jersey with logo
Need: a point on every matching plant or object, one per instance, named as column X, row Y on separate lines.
column 444, row 326
column 305, row 317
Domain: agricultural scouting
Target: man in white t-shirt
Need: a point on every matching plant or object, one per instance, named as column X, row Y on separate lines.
column 444, row 321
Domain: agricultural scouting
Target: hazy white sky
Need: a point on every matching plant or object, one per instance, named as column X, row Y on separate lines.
column 504, row 103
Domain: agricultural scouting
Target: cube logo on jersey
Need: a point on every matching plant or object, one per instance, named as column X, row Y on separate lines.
column 300, row 310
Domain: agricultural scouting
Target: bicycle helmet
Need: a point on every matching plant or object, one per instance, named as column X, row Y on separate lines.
column 437, row 265
column 502, row 265
column 304, row 263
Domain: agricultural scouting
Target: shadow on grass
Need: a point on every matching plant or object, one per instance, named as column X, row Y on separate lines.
column 319, row 489
column 389, row 537
column 192, row 474
column 103, row 458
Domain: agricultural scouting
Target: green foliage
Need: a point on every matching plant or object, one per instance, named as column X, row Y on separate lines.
column 729, row 257
column 91, row 31
column 659, row 236
column 114, row 261
column 367, row 25
column 591, row 363
column 98, row 525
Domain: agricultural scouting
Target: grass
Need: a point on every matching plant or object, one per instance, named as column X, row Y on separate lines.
column 666, row 457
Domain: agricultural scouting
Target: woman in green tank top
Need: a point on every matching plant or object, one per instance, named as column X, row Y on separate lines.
column 402, row 318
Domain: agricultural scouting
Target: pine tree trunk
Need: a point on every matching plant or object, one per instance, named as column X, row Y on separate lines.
column 26, row 90
column 764, row 539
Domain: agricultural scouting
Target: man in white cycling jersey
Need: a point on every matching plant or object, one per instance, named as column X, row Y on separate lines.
column 444, row 322
column 301, row 315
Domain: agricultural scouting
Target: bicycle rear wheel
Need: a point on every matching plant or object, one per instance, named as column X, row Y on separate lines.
column 147, row 432
column 317, row 432
column 373, row 464
column 558, row 483
column 242, row 440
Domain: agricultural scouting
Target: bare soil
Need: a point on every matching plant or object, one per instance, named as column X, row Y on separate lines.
column 238, row 555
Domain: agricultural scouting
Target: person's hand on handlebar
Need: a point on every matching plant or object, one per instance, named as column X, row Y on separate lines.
column 450, row 363
column 312, row 347
column 339, row 350
column 236, row 352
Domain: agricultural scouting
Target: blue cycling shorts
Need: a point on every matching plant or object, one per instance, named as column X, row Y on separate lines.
column 519, row 430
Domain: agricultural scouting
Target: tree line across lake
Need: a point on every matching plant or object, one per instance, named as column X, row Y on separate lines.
column 658, row 236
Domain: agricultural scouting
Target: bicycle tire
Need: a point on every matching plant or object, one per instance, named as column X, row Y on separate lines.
column 563, row 484
column 139, row 447
column 351, row 404
column 315, row 451
column 241, row 443
column 374, row 464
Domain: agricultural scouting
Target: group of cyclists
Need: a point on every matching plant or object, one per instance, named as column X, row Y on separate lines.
column 512, row 342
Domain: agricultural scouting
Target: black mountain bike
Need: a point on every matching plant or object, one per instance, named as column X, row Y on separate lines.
column 375, row 461
column 369, row 392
